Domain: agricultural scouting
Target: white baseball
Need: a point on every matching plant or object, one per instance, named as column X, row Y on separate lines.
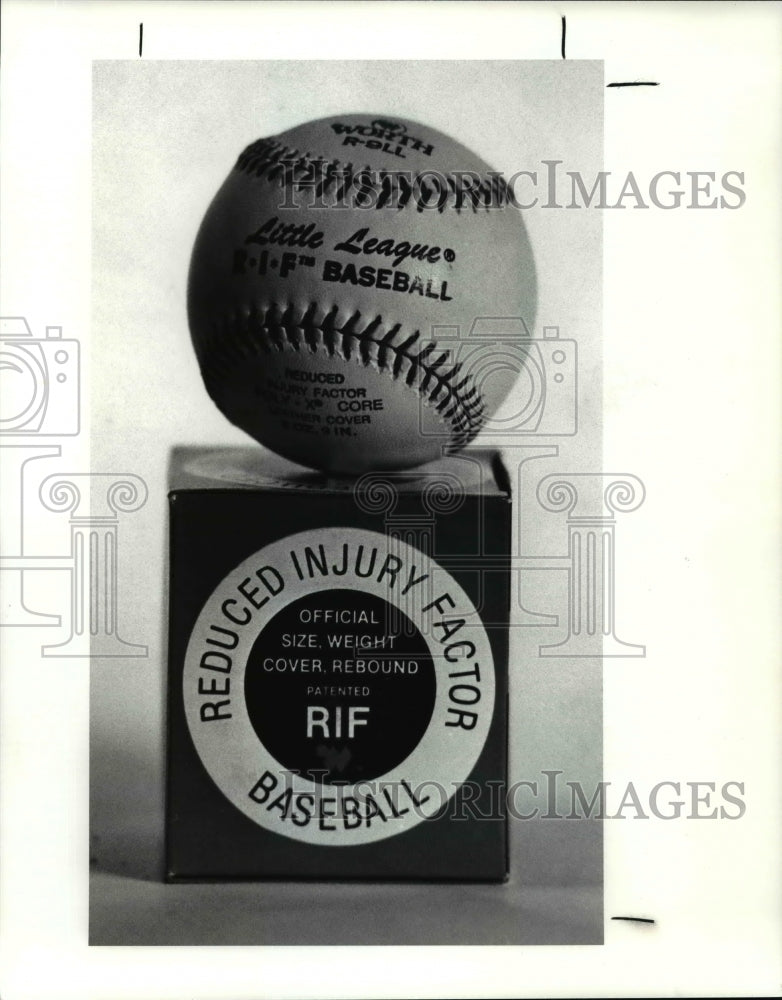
column 334, row 287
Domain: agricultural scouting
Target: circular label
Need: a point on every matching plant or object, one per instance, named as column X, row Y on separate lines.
column 314, row 723
column 339, row 686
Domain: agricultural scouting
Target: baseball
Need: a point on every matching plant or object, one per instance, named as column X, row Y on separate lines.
column 340, row 290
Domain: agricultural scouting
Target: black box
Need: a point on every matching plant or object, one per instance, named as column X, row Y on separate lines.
column 337, row 703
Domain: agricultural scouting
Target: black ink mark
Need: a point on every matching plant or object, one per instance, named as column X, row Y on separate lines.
column 634, row 83
column 637, row 920
column 564, row 33
column 140, row 38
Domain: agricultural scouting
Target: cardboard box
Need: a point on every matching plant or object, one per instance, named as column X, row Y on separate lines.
column 337, row 703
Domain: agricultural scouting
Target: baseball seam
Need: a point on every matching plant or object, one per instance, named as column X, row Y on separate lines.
column 274, row 161
column 241, row 337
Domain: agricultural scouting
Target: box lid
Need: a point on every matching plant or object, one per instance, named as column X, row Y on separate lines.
column 472, row 471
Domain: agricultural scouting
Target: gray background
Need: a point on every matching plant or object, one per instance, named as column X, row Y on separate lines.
column 165, row 135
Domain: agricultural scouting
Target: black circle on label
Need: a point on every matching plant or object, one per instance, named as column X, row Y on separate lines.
column 340, row 686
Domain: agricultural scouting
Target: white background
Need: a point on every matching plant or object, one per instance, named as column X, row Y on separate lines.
column 692, row 361
column 153, row 174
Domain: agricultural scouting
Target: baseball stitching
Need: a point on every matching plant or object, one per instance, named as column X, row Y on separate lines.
column 273, row 160
column 243, row 336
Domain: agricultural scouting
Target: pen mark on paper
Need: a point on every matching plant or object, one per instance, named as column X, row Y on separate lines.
column 637, row 920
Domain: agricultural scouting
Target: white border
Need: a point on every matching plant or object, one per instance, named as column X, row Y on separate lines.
column 719, row 928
